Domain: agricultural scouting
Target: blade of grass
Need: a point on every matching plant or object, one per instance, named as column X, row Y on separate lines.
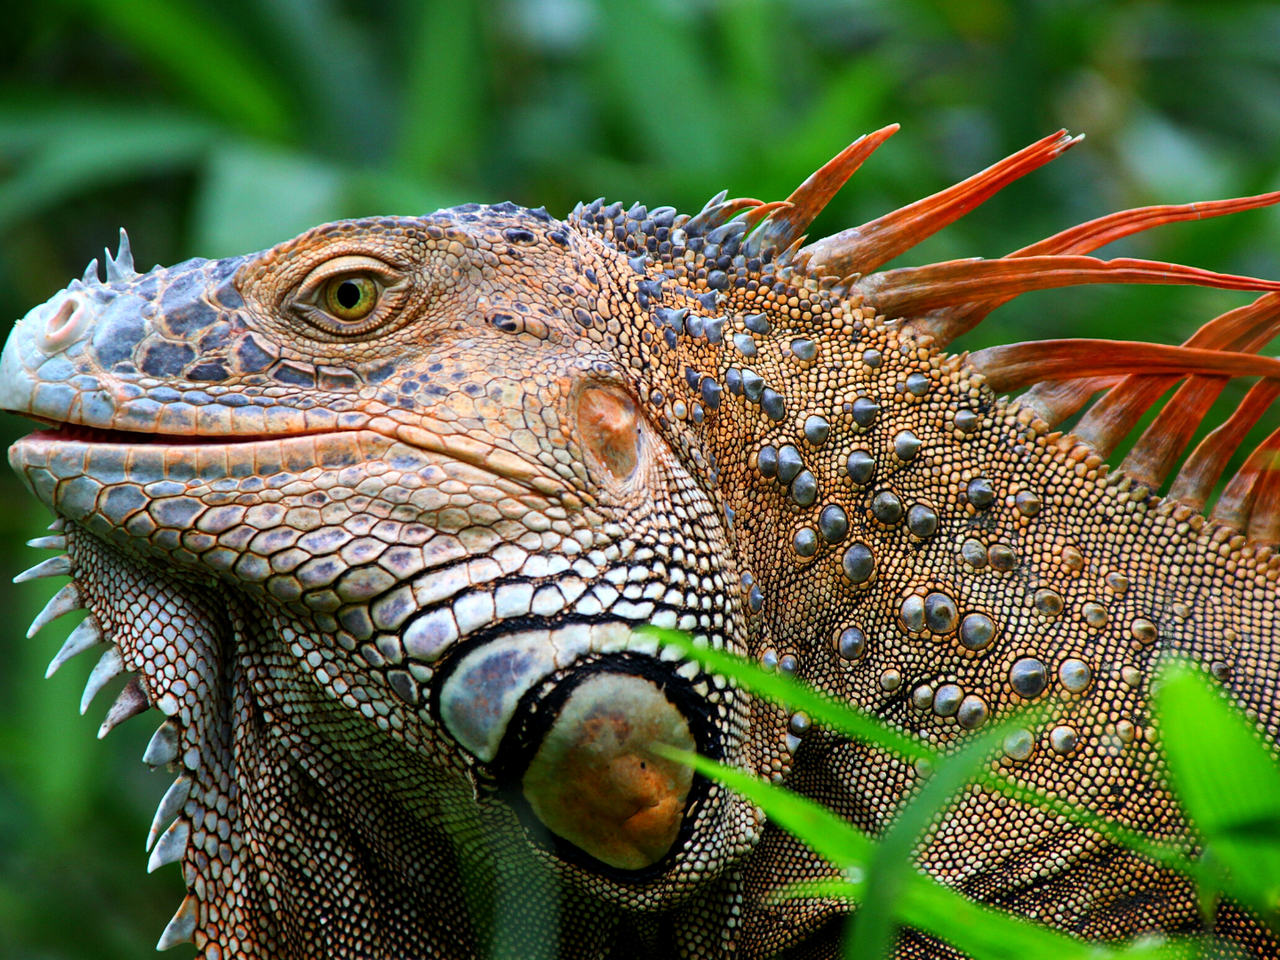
column 855, row 723
column 990, row 941
column 335, row 63
column 852, row 102
column 1169, row 856
column 443, row 94
column 1228, row 784
column 751, row 61
column 988, row 934
column 923, row 903
column 871, row 935
column 85, row 147
column 683, row 96
column 844, row 719
column 841, row 843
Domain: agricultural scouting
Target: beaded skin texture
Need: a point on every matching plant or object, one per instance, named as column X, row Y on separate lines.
column 368, row 518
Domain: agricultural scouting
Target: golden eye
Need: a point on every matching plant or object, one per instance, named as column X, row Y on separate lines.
column 350, row 298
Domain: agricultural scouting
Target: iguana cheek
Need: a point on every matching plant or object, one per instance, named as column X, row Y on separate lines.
column 597, row 781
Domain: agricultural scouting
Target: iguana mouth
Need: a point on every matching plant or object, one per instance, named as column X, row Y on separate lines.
column 79, row 433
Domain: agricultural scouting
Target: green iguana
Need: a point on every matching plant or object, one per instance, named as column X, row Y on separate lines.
column 369, row 517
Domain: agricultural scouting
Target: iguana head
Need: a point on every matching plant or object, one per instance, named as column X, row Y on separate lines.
column 393, row 496
column 422, row 446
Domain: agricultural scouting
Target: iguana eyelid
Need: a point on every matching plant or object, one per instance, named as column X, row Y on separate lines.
column 390, row 284
column 382, row 274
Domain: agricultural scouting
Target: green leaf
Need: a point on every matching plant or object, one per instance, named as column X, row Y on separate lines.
column 837, row 841
column 67, row 150
column 752, row 55
column 335, row 62
column 443, row 92
column 890, row 868
column 922, row 903
column 852, row 103
column 179, row 38
column 253, row 198
column 672, row 108
column 856, row 723
column 845, row 719
column 1227, row 782
column 987, row 934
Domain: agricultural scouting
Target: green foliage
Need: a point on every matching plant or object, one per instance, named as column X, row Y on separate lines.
column 199, row 52
column 70, row 149
column 855, row 723
column 1229, row 785
column 889, row 874
column 216, row 127
column 1225, row 777
column 902, row 894
column 888, row 890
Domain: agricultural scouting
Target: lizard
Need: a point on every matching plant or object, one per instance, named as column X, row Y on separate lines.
column 369, row 517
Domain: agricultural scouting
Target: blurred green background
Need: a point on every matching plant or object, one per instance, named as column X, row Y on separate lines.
column 216, row 127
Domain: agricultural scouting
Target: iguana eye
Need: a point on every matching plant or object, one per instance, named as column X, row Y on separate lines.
column 350, row 295
column 350, row 298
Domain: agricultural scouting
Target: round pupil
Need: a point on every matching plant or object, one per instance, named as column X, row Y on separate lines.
column 349, row 293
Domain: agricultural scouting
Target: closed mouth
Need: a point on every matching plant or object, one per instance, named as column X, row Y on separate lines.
column 55, row 432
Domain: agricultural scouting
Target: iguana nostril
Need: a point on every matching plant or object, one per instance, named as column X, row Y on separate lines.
column 60, row 320
column 64, row 327
column 596, row 779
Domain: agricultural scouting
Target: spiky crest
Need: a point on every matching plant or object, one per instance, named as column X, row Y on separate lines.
column 942, row 301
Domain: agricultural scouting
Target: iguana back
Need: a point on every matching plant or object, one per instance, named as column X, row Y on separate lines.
column 370, row 516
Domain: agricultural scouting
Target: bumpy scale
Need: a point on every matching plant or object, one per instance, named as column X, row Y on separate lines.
column 370, row 517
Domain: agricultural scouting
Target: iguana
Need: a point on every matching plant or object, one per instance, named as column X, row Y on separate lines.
column 369, row 518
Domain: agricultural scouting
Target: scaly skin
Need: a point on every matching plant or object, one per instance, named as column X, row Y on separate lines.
column 379, row 575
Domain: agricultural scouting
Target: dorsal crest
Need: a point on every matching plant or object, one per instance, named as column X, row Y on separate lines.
column 748, row 243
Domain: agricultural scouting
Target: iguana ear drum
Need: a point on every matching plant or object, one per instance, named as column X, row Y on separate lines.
column 610, row 430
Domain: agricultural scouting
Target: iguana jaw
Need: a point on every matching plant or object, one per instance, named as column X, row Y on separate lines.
column 587, row 826
column 78, row 433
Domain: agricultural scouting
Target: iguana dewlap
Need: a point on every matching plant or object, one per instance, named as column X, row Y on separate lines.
column 370, row 517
